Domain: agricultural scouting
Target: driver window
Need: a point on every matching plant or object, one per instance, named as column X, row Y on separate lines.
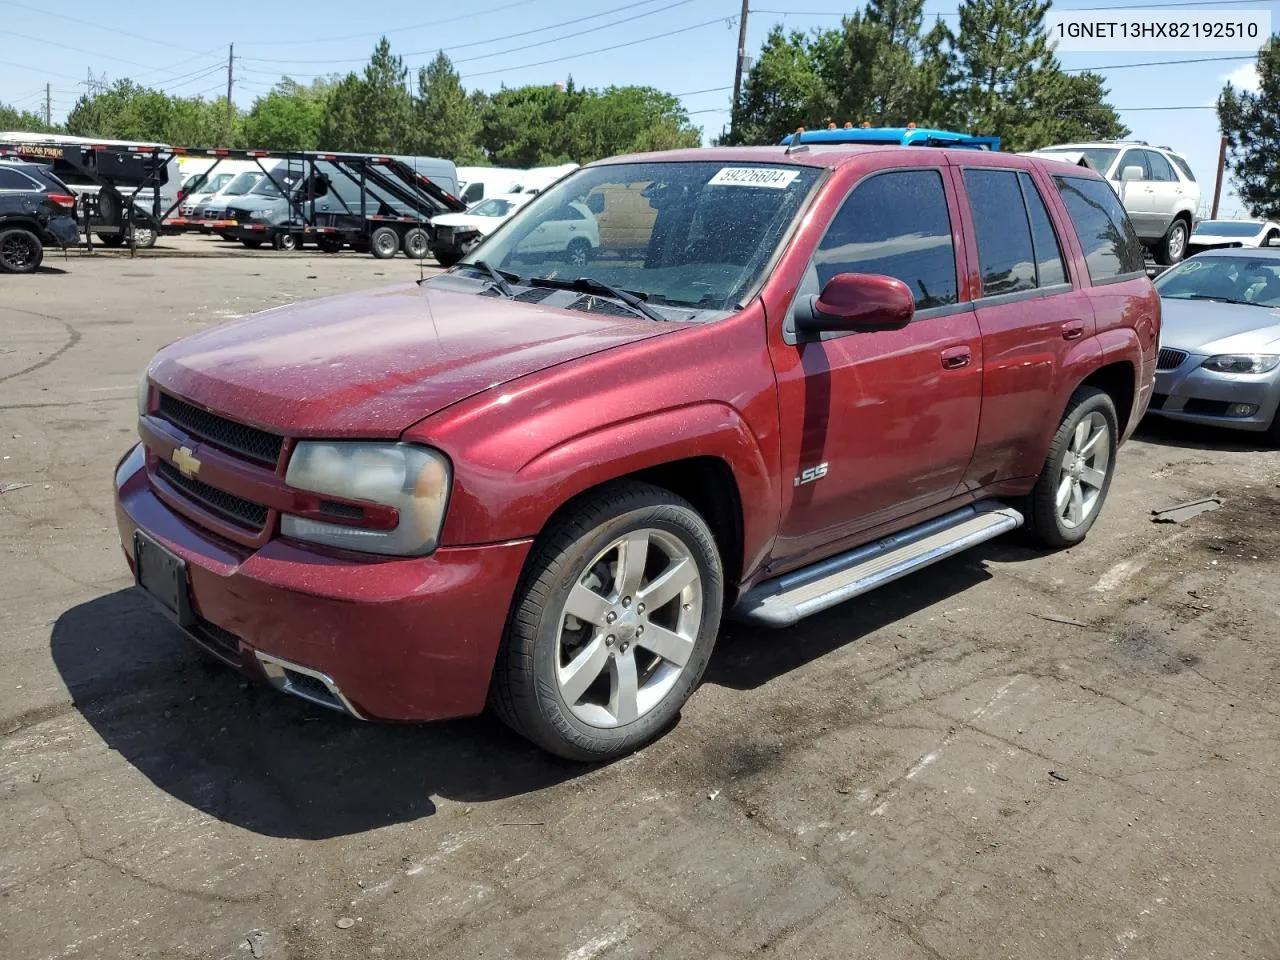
column 895, row 224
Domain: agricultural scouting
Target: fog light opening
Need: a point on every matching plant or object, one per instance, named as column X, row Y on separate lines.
column 1242, row 410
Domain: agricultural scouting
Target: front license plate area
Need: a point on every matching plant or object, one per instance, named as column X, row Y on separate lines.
column 162, row 575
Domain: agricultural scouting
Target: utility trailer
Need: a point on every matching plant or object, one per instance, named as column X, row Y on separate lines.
column 375, row 203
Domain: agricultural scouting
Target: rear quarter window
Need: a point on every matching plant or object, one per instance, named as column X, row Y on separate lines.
column 1111, row 247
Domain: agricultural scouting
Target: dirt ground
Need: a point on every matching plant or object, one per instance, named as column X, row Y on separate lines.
column 1012, row 754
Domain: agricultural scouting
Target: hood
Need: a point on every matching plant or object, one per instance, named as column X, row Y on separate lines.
column 372, row 363
column 1206, row 327
column 470, row 221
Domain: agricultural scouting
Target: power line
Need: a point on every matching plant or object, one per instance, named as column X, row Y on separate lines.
column 44, row 70
column 508, row 36
column 690, row 93
column 67, row 46
column 1159, row 63
column 616, row 46
column 384, row 33
column 44, row 11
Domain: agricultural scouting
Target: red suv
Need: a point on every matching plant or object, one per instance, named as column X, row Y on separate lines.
column 538, row 481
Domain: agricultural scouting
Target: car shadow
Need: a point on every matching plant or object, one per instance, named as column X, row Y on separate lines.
column 279, row 766
column 44, row 268
column 270, row 763
column 749, row 656
column 1194, row 436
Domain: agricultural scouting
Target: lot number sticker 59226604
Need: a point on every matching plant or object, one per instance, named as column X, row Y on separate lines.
column 773, row 177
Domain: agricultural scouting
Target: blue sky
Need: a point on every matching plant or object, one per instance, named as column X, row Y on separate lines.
column 497, row 42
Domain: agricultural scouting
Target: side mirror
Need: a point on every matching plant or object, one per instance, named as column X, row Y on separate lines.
column 595, row 203
column 1130, row 173
column 852, row 302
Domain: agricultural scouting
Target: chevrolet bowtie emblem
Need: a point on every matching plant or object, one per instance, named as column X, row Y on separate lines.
column 186, row 461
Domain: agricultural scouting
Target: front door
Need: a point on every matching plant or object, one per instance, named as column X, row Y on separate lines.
column 879, row 425
column 1138, row 196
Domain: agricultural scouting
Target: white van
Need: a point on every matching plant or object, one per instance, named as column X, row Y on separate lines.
column 539, row 178
column 477, row 183
column 203, row 184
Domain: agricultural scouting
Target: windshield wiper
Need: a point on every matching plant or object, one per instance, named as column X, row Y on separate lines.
column 498, row 279
column 1205, row 296
column 592, row 285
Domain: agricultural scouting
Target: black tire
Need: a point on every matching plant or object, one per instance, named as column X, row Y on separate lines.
column 329, row 244
column 579, row 251
column 110, row 239
column 1046, row 520
column 252, row 244
column 288, row 242
column 525, row 692
column 416, row 243
column 1172, row 247
column 20, row 251
column 384, row 243
column 110, row 208
column 446, row 256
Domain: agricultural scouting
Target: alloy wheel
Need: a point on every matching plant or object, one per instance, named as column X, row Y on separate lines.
column 1083, row 474
column 628, row 628
column 17, row 252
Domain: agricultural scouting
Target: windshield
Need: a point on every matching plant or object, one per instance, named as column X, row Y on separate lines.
column 1229, row 228
column 492, row 208
column 697, row 234
column 211, row 183
column 1100, row 158
column 1243, row 279
column 242, row 183
column 266, row 187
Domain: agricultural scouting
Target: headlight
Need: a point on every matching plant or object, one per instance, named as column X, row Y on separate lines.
column 413, row 480
column 1242, row 362
column 260, row 214
column 144, row 394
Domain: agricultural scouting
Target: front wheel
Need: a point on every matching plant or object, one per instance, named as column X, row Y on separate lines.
column 20, row 251
column 143, row 238
column 1076, row 476
column 1173, row 247
column 288, row 242
column 579, row 251
column 446, row 256
column 614, row 623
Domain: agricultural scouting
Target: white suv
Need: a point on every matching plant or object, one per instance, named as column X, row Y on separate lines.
column 1156, row 186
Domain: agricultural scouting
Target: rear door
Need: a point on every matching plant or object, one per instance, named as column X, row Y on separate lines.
column 1031, row 315
column 1165, row 190
column 877, row 426
column 1138, row 196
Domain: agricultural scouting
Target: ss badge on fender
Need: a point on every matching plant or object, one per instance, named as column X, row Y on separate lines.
column 812, row 474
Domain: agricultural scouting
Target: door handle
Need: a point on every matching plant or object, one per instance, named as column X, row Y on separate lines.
column 956, row 357
column 1073, row 330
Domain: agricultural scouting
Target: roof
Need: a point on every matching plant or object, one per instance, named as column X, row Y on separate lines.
column 1266, row 253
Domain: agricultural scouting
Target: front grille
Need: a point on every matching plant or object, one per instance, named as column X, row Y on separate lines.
column 1207, row 408
column 220, row 432
column 1170, row 359
column 1158, row 401
column 252, row 516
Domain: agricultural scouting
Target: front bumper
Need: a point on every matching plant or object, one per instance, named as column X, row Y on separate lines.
column 404, row 639
column 1192, row 394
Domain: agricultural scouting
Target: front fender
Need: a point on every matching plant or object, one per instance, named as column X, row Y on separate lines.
column 490, row 508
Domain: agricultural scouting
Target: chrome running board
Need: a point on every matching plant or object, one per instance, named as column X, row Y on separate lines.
column 784, row 600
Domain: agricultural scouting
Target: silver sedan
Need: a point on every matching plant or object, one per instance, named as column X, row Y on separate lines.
column 1219, row 358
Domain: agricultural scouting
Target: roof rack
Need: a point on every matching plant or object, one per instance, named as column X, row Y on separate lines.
column 908, row 136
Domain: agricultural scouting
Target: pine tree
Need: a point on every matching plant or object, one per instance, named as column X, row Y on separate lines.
column 384, row 103
column 1251, row 124
column 446, row 120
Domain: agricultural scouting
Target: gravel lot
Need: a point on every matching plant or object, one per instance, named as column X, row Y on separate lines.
column 1012, row 754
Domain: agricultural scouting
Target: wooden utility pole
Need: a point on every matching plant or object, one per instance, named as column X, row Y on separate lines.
column 48, row 105
column 231, row 59
column 742, row 56
column 1217, row 187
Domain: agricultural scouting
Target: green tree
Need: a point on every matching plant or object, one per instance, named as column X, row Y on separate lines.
column 384, row 102
column 1251, row 124
column 340, row 125
column 24, row 121
column 783, row 90
column 529, row 126
column 289, row 117
column 446, row 119
column 127, row 111
column 628, row 120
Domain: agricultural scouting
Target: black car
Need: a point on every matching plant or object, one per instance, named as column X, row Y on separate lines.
column 36, row 209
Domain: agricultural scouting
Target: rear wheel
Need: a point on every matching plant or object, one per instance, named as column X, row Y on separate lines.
column 143, row 238
column 416, row 242
column 613, row 626
column 20, row 251
column 1173, row 247
column 384, row 243
column 1073, row 484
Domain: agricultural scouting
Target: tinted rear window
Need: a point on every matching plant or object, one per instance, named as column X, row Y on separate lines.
column 1005, row 254
column 1111, row 247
